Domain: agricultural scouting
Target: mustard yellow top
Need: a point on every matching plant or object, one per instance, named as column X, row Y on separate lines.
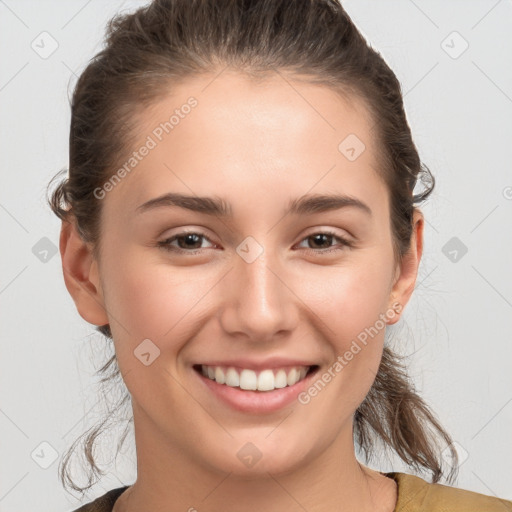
column 414, row 495
column 417, row 495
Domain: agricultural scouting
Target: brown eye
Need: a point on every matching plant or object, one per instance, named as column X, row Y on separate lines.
column 321, row 239
column 189, row 240
column 322, row 242
column 186, row 242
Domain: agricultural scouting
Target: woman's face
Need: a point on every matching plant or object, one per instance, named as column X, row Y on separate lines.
column 253, row 288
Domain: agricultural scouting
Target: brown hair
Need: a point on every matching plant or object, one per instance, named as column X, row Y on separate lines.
column 166, row 42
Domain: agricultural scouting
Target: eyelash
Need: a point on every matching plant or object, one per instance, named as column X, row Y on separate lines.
column 165, row 244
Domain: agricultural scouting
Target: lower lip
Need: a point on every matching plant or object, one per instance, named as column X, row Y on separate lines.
column 257, row 402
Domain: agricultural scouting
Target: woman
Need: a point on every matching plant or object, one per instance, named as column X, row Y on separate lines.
column 239, row 219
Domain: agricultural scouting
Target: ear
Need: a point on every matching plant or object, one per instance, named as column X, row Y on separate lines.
column 405, row 276
column 81, row 275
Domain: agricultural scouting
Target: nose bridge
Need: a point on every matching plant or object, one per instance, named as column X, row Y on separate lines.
column 260, row 304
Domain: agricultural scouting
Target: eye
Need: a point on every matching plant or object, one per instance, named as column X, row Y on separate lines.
column 324, row 238
column 187, row 242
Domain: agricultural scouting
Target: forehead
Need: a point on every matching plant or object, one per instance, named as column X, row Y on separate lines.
column 272, row 139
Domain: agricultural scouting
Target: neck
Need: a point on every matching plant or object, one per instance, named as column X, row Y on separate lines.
column 168, row 480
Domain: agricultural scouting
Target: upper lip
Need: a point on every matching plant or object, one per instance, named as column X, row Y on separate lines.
column 251, row 364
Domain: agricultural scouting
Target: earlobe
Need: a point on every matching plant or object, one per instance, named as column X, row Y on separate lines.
column 81, row 277
column 404, row 284
column 394, row 311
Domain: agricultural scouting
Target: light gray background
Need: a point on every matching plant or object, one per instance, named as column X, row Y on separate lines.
column 457, row 328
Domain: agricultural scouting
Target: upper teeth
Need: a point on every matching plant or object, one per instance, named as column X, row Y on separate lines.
column 267, row 380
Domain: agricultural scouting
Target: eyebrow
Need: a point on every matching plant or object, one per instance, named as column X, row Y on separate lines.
column 304, row 205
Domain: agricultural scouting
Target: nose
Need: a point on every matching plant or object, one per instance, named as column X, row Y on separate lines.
column 259, row 301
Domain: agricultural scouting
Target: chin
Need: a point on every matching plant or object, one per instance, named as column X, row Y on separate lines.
column 250, row 460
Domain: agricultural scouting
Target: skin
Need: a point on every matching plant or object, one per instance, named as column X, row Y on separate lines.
column 257, row 145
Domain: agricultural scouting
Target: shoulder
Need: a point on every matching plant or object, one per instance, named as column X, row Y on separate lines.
column 418, row 495
column 103, row 503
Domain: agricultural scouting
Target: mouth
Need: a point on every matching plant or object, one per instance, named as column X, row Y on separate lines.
column 264, row 381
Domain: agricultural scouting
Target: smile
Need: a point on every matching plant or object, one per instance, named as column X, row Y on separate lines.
column 247, row 379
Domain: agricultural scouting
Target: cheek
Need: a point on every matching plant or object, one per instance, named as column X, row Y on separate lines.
column 155, row 302
column 352, row 306
column 160, row 304
column 350, row 298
